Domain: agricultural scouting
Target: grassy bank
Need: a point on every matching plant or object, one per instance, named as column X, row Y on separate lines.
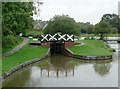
column 92, row 48
column 28, row 52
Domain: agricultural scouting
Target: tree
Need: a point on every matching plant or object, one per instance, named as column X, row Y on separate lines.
column 83, row 26
column 102, row 28
column 16, row 17
column 63, row 24
column 114, row 30
column 89, row 29
column 112, row 19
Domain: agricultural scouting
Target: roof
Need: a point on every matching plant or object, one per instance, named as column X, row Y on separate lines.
column 37, row 25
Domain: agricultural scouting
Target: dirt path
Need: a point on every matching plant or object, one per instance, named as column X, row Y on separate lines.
column 16, row 48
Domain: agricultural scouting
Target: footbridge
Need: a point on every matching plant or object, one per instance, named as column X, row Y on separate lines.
column 57, row 37
column 57, row 42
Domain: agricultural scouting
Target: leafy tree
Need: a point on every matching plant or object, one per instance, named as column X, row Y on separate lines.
column 102, row 28
column 83, row 26
column 16, row 17
column 63, row 24
column 89, row 29
column 112, row 19
column 114, row 30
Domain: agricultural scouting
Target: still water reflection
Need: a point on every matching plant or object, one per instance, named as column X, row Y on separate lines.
column 62, row 71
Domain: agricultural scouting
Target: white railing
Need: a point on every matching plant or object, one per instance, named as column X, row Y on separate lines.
column 56, row 37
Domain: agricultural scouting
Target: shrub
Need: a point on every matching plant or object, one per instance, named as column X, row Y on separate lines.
column 33, row 33
column 76, row 37
column 112, row 50
column 87, row 38
column 8, row 41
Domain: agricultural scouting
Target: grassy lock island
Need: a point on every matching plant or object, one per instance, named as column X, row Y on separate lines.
column 92, row 48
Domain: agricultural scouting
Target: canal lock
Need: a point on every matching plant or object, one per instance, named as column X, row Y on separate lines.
column 57, row 47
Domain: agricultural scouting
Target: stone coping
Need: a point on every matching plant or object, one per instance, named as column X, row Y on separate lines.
column 87, row 57
column 23, row 65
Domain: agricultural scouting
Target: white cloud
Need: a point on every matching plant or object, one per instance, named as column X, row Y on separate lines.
column 80, row 10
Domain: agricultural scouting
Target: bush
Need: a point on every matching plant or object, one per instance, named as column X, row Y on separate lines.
column 112, row 50
column 33, row 33
column 76, row 37
column 87, row 38
column 8, row 41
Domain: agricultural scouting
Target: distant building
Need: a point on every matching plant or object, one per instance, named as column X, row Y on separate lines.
column 38, row 26
column 119, row 9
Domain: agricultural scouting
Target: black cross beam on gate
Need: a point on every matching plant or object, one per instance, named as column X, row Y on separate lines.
column 56, row 37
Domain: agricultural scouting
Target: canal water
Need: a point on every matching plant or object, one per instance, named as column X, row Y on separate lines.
column 62, row 71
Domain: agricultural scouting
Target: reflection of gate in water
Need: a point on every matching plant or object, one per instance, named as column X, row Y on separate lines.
column 48, row 71
column 57, row 73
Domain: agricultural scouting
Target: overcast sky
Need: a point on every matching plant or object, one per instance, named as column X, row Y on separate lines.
column 81, row 10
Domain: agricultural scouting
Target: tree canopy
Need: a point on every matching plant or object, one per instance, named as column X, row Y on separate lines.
column 86, row 27
column 102, row 28
column 112, row 19
column 16, row 17
column 63, row 24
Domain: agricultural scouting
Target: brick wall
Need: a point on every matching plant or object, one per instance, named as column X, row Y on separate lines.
column 69, row 44
column 46, row 44
column 67, row 53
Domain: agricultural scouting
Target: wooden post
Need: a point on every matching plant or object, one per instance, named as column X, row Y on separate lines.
column 66, row 73
column 48, row 73
column 57, row 73
column 41, row 72
column 73, row 70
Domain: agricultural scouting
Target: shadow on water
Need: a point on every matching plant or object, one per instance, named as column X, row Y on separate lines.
column 57, row 47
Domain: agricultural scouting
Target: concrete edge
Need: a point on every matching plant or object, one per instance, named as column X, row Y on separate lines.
column 86, row 57
column 79, row 43
column 23, row 65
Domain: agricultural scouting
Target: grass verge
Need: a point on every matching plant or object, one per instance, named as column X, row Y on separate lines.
column 92, row 48
column 28, row 52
